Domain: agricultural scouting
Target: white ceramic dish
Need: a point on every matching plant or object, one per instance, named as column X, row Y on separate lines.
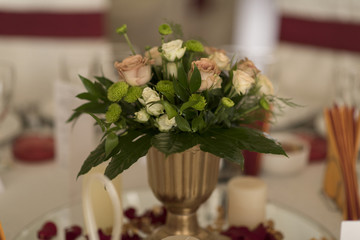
column 298, row 155
column 293, row 225
column 10, row 127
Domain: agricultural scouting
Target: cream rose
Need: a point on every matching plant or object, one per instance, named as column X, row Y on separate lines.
column 265, row 85
column 242, row 82
column 221, row 60
column 209, row 72
column 148, row 98
column 164, row 123
column 154, row 109
column 173, row 50
column 148, row 93
column 172, row 69
column 142, row 116
column 154, row 54
column 135, row 70
column 248, row 66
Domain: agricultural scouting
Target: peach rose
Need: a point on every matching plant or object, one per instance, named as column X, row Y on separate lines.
column 247, row 66
column 242, row 82
column 153, row 53
column 211, row 50
column 221, row 60
column 265, row 84
column 209, row 72
column 135, row 70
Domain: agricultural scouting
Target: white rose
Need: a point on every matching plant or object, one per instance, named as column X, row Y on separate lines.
column 152, row 108
column 242, row 81
column 173, row 50
column 221, row 60
column 149, row 93
column 265, row 84
column 164, row 123
column 172, row 69
column 142, row 116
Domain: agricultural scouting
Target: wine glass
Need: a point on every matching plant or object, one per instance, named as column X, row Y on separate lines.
column 6, row 92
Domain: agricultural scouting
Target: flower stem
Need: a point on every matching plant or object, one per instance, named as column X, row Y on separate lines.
column 251, row 110
column 129, row 43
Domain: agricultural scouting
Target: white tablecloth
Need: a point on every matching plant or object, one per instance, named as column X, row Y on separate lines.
column 32, row 190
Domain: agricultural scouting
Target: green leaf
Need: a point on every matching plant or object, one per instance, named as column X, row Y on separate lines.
column 90, row 87
column 170, row 142
column 100, row 90
column 134, row 146
column 249, row 139
column 264, row 103
column 86, row 96
column 195, row 80
column 187, row 105
column 169, row 109
column 224, row 149
column 198, row 124
column 105, row 81
column 111, row 142
column 182, row 124
column 74, row 116
column 180, row 91
column 182, row 77
column 101, row 123
column 91, row 107
column 95, row 158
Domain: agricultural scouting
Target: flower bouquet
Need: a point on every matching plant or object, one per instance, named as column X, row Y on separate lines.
column 182, row 103
column 178, row 95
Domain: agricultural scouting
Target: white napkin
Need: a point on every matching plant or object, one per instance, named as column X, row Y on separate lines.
column 350, row 230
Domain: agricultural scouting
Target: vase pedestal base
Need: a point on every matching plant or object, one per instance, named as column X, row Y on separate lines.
column 186, row 225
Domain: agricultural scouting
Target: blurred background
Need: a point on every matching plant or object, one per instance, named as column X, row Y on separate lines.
column 308, row 48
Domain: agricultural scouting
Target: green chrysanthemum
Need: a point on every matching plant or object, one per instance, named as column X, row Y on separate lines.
column 201, row 101
column 227, row 102
column 122, row 30
column 166, row 87
column 194, row 45
column 113, row 113
column 117, row 91
column 165, row 29
column 133, row 94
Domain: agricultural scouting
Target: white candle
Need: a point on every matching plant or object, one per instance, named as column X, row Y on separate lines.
column 180, row 238
column 90, row 221
column 246, row 201
column 100, row 199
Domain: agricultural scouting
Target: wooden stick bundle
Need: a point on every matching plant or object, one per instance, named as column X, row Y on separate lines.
column 344, row 135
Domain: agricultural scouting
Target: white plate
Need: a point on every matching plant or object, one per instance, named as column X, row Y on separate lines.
column 293, row 225
column 10, row 127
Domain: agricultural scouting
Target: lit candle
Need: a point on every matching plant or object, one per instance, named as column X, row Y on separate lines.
column 180, row 238
column 246, row 201
column 100, row 200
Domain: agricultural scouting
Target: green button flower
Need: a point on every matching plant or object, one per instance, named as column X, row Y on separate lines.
column 194, row 45
column 165, row 29
column 133, row 94
column 166, row 87
column 227, row 102
column 122, row 30
column 117, row 91
column 113, row 113
column 201, row 101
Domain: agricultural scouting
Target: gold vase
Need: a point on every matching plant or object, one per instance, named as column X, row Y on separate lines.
column 182, row 182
